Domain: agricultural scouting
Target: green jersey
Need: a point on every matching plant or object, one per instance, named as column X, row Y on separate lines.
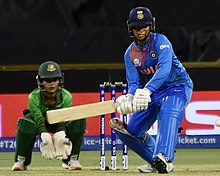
column 38, row 106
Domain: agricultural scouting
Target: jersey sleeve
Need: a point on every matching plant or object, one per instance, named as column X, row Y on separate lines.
column 67, row 99
column 34, row 107
column 165, row 53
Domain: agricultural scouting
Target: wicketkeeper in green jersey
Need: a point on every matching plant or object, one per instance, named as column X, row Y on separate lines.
column 61, row 140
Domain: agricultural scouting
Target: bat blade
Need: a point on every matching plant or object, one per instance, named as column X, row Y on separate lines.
column 80, row 112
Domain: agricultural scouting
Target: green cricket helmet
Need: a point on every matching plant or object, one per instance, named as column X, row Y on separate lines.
column 49, row 69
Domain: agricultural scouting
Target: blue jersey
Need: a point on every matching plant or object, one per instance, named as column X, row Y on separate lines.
column 154, row 66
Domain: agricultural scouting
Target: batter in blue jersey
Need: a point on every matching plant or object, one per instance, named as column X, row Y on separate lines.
column 159, row 88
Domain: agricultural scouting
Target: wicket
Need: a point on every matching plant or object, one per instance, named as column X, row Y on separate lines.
column 112, row 87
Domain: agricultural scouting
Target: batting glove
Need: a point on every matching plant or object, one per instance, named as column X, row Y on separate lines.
column 46, row 147
column 141, row 99
column 62, row 145
column 124, row 104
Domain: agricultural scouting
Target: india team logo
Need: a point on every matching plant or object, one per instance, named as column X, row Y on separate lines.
column 140, row 15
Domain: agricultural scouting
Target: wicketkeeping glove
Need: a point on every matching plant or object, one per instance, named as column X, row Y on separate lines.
column 124, row 104
column 141, row 99
column 46, row 147
column 62, row 145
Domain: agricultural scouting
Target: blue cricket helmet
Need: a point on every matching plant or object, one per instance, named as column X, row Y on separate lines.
column 140, row 16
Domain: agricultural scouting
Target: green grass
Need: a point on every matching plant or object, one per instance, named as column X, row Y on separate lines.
column 187, row 162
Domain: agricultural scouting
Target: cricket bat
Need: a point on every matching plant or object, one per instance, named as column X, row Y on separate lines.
column 80, row 112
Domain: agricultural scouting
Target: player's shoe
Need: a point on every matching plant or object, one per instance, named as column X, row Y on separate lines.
column 161, row 163
column 19, row 166
column 72, row 165
column 117, row 124
column 65, row 166
column 146, row 169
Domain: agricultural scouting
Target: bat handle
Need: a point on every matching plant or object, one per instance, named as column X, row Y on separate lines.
column 117, row 104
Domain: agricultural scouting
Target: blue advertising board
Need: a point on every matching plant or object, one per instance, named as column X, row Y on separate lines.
column 8, row 144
